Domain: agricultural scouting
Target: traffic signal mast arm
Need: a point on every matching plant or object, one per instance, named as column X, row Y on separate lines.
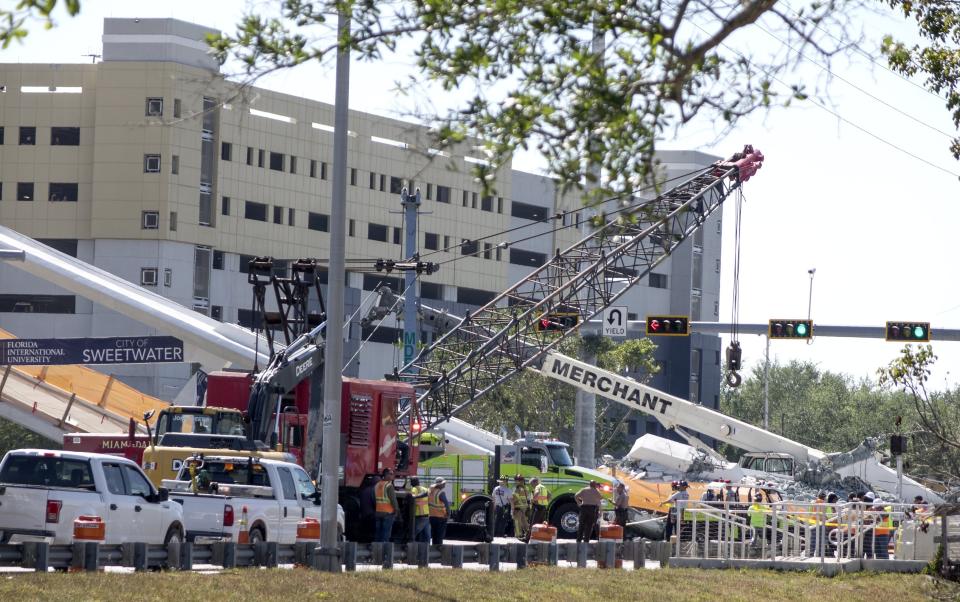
column 500, row 339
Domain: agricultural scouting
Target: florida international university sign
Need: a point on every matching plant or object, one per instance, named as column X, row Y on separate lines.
column 110, row 350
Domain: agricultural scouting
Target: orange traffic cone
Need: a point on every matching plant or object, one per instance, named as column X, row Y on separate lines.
column 244, row 535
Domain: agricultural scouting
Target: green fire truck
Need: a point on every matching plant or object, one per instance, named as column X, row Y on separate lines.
column 472, row 477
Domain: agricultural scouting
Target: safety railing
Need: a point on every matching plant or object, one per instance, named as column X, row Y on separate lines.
column 804, row 531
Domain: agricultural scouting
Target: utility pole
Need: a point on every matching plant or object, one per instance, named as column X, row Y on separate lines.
column 329, row 552
column 585, row 410
column 411, row 329
column 766, row 386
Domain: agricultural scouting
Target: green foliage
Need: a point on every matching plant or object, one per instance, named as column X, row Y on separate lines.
column 939, row 59
column 13, row 21
column 14, row 436
column 534, row 79
column 537, row 403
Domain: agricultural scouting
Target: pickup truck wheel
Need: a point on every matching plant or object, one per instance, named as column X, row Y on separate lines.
column 256, row 535
column 173, row 536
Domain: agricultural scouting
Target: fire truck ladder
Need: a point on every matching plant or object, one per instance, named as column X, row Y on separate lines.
column 504, row 337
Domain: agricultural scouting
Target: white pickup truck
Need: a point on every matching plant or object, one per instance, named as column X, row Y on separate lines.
column 275, row 494
column 43, row 491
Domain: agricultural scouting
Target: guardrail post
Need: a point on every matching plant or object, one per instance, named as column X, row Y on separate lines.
column 139, row 557
column 582, row 554
column 608, row 551
column 520, row 550
column 493, row 556
column 91, row 556
column 640, row 554
column 350, row 556
column 664, row 554
column 227, row 553
column 270, row 560
column 186, row 556
column 387, row 555
column 553, row 553
column 456, row 557
column 35, row 555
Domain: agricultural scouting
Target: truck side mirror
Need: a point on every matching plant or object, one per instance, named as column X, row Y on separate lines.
column 132, row 429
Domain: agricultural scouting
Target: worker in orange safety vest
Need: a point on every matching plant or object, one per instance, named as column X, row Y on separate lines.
column 387, row 507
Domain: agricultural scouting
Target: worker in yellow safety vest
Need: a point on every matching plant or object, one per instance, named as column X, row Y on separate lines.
column 421, row 511
column 387, row 506
column 541, row 501
column 757, row 513
column 439, row 510
column 519, row 504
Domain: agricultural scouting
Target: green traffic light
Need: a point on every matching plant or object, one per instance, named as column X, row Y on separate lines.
column 918, row 332
column 801, row 329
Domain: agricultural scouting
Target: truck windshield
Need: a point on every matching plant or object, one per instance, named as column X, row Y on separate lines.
column 226, row 423
column 47, row 471
column 559, row 455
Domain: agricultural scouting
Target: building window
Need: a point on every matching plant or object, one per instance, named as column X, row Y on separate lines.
column 443, row 194
column 38, row 304
column 291, row 214
column 216, row 312
column 353, row 176
column 148, row 276
column 167, row 277
column 383, row 182
column 377, row 232
column 474, row 296
column 657, row 280
column 218, row 260
column 431, row 241
column 176, row 108
column 486, row 204
column 255, row 211
column 695, row 305
column 173, row 221
column 473, row 200
column 499, row 253
column 429, row 191
column 28, row 136
column 487, row 249
column 717, row 267
column 67, row 246
column 63, row 191
column 277, row 214
column 323, row 170
column 466, row 198
column 527, row 211
column 293, row 164
column 245, row 263
column 372, row 282
column 1, row 134
column 149, row 220
column 527, row 258
column 499, row 204
column 446, row 243
column 151, row 164
column 261, row 156
column 207, row 209
column 201, row 273
column 24, row 191
column 352, row 228
column 175, row 164
column 716, row 308
column 313, row 168
column 431, row 290
column 318, row 221
column 225, row 206
column 226, row 151
column 468, row 247
column 396, row 185
column 65, row 136
column 249, row 155
column 373, row 180
column 276, row 161
column 396, row 236
column 154, row 107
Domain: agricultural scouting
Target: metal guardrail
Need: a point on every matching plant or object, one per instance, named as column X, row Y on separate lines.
column 828, row 533
column 91, row 556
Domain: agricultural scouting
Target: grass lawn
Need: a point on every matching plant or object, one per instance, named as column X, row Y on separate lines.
column 538, row 584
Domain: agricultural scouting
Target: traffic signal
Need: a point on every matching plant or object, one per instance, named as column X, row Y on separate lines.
column 909, row 332
column 668, row 326
column 557, row 322
column 790, row 329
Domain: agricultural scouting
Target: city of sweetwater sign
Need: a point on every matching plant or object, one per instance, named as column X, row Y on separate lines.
column 110, row 350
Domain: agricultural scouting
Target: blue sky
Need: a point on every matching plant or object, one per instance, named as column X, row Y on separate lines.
column 879, row 226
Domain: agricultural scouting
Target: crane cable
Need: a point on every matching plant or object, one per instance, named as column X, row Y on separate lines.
column 734, row 353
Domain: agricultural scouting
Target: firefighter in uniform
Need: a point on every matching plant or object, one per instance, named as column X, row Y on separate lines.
column 421, row 511
column 541, row 501
column 387, row 506
column 519, row 504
